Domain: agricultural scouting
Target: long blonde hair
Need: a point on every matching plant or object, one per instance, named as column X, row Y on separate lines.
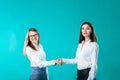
column 27, row 41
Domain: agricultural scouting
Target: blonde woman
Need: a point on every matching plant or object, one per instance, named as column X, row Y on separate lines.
column 36, row 55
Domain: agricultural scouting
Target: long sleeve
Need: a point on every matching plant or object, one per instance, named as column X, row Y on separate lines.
column 38, row 59
column 70, row 61
column 94, row 56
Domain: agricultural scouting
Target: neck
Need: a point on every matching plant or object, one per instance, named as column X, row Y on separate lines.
column 35, row 44
column 87, row 39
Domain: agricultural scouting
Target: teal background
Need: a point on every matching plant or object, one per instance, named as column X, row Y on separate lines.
column 58, row 22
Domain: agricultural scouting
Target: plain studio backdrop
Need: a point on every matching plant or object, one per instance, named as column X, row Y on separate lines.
column 58, row 22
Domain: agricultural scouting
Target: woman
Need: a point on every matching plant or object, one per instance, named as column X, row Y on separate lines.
column 36, row 55
column 86, row 54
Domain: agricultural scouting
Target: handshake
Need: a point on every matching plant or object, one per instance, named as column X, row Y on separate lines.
column 59, row 61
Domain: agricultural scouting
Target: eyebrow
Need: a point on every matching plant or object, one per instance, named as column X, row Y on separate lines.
column 33, row 34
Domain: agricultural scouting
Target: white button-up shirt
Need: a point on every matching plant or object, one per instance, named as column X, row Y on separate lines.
column 86, row 57
column 38, row 58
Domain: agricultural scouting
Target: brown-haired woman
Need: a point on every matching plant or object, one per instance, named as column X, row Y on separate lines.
column 86, row 54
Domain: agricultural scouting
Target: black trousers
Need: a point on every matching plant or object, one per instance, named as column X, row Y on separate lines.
column 83, row 74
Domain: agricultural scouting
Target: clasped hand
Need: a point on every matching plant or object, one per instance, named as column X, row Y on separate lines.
column 59, row 61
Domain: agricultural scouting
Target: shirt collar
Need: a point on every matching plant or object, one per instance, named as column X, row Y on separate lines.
column 36, row 46
column 86, row 41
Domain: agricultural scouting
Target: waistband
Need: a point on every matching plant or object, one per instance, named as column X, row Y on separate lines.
column 38, row 68
column 84, row 69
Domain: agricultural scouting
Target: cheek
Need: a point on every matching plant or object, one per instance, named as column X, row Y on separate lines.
column 82, row 31
column 31, row 39
column 89, row 32
column 37, row 37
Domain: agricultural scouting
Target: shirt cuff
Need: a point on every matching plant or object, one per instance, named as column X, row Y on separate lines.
column 52, row 62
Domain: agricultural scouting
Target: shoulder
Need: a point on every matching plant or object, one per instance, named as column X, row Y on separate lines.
column 79, row 44
column 94, row 44
column 29, row 51
column 40, row 46
column 28, row 48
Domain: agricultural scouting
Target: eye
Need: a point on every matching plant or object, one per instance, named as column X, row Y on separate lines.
column 31, row 36
column 88, row 28
column 82, row 28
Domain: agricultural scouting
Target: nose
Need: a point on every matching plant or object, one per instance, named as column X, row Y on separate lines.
column 85, row 30
column 34, row 37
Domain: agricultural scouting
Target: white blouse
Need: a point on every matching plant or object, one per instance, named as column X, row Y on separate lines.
column 38, row 58
column 86, row 57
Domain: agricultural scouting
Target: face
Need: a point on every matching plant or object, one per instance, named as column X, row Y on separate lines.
column 86, row 30
column 33, row 37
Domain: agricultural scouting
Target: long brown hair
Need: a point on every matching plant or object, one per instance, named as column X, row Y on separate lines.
column 28, row 42
column 92, row 35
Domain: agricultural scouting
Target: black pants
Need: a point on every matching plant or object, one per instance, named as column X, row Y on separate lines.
column 83, row 74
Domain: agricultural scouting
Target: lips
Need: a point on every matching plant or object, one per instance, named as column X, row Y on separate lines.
column 85, row 33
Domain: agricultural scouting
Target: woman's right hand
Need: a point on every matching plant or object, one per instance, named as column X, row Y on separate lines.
column 59, row 61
